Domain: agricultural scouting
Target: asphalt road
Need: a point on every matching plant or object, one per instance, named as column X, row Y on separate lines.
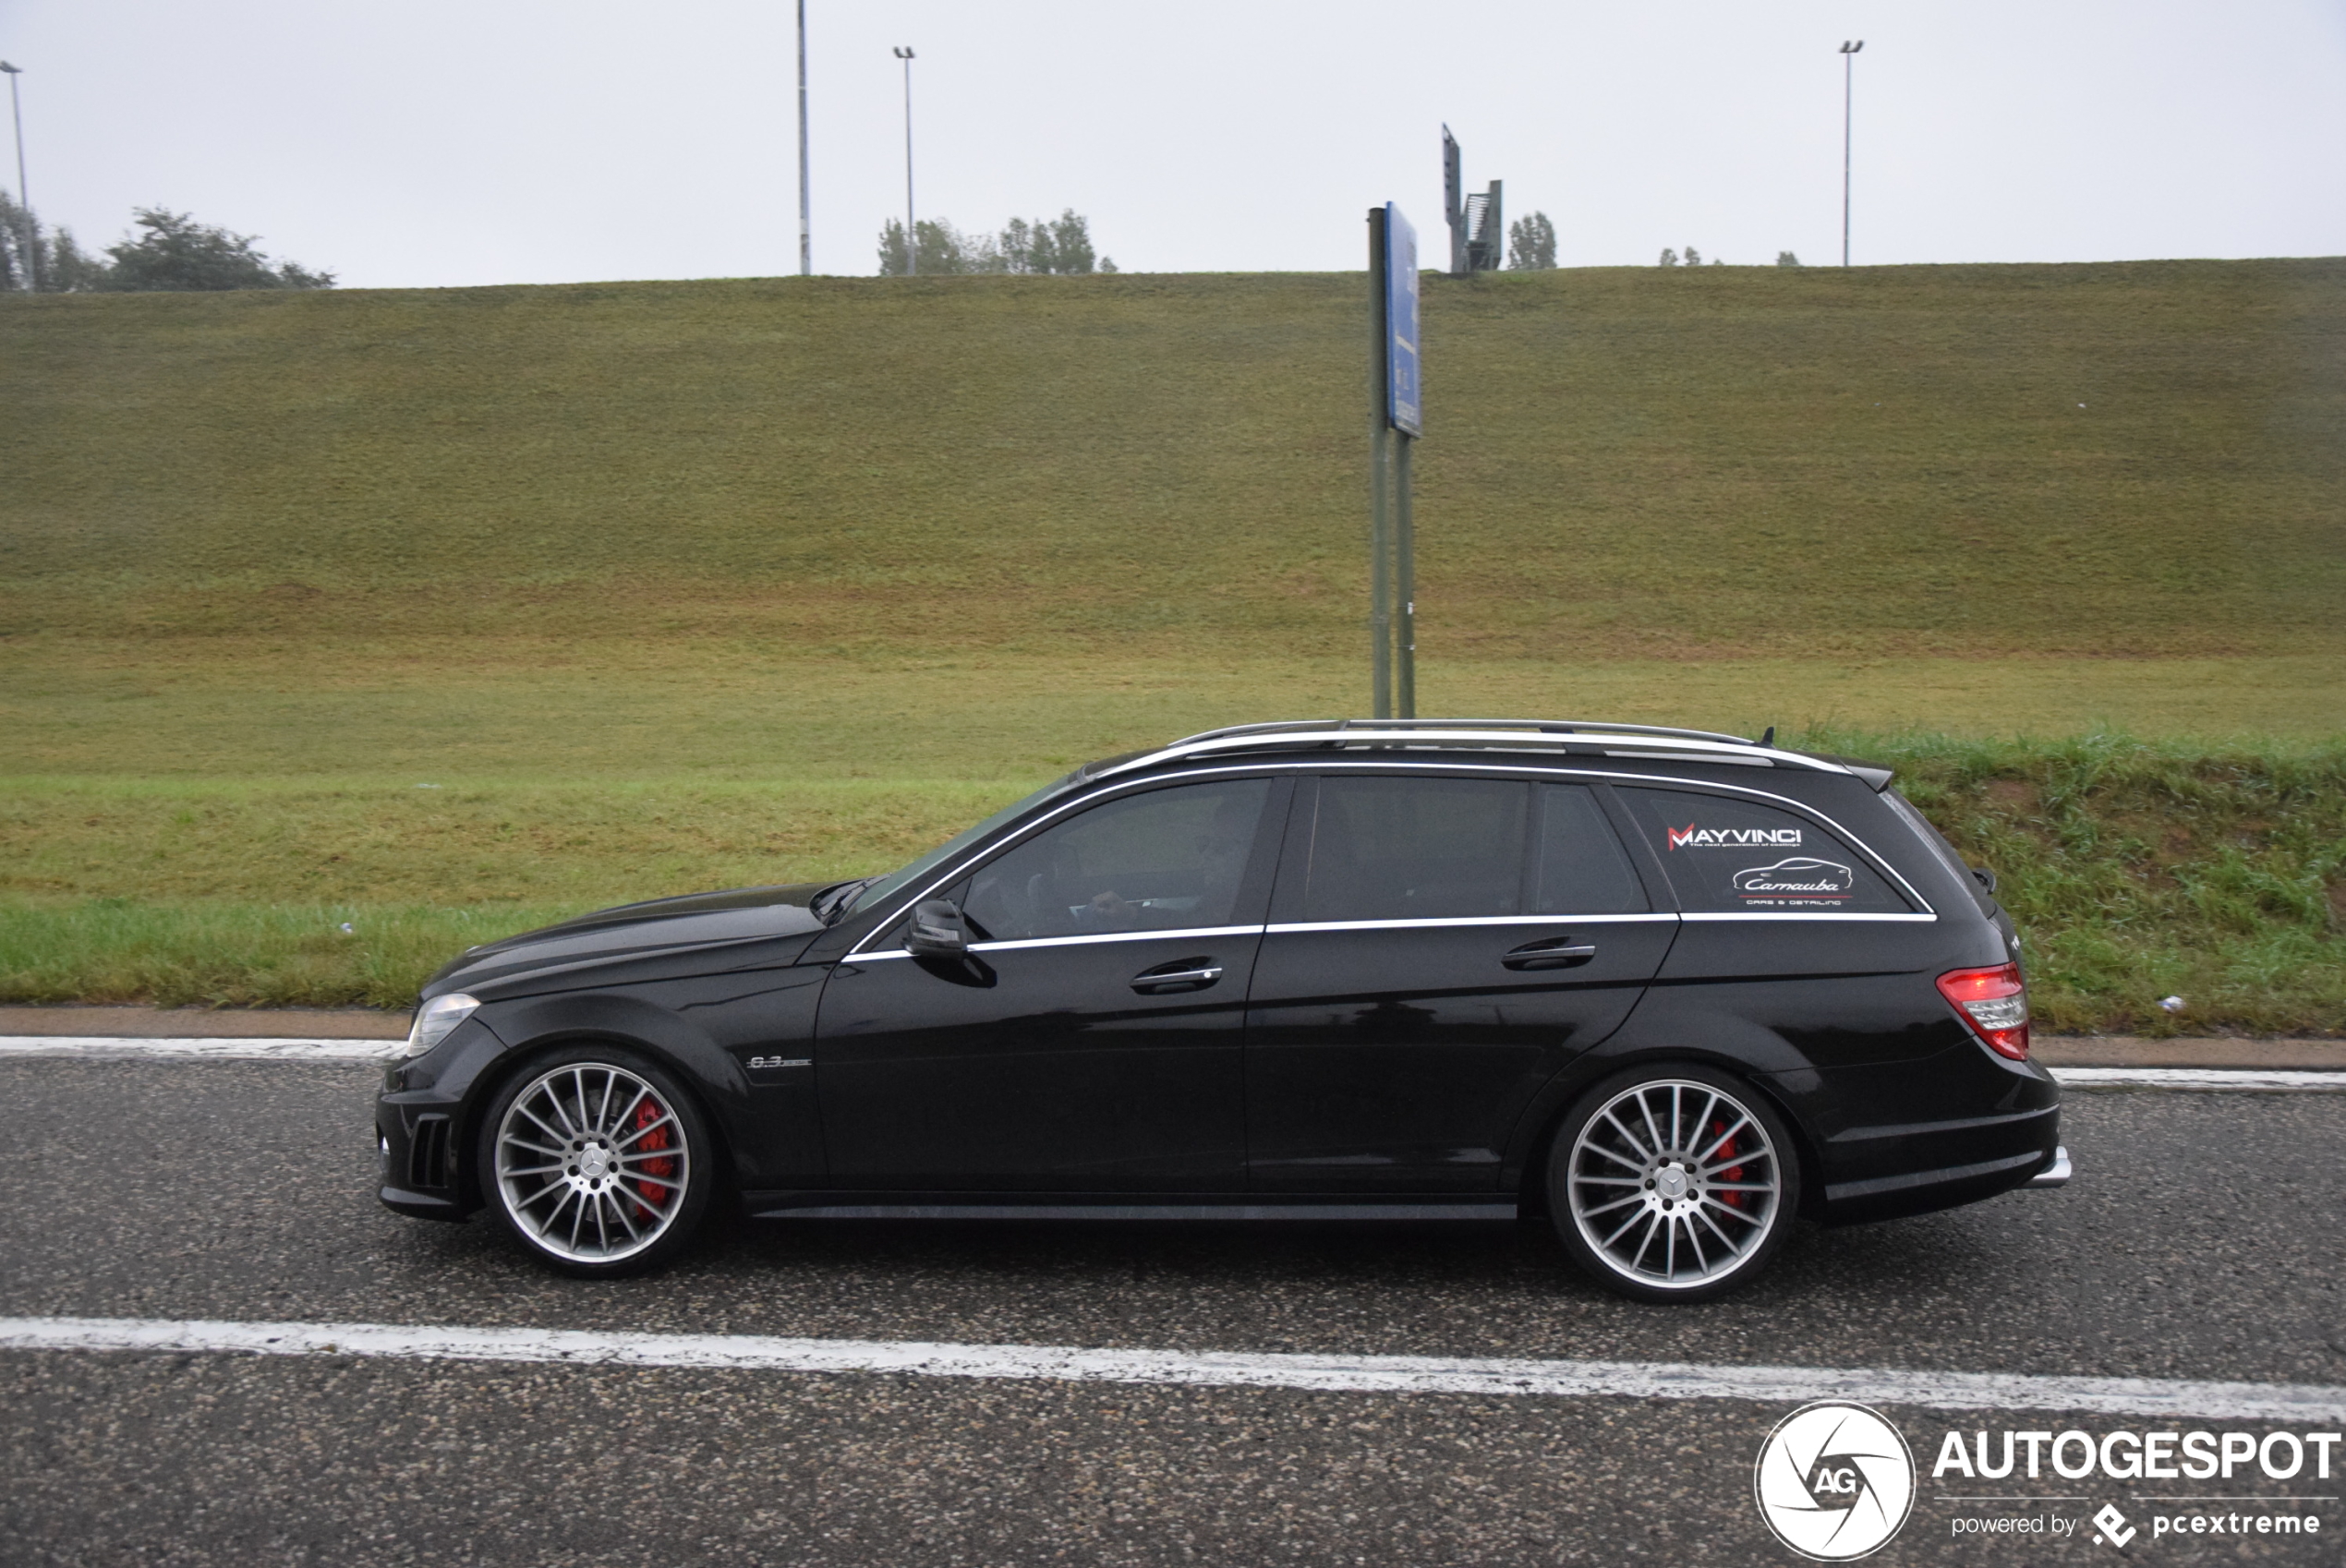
column 2201, row 1240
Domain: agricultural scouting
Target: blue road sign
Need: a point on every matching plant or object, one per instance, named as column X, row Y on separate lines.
column 1401, row 409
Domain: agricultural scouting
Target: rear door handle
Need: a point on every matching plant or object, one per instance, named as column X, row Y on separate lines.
column 1170, row 977
column 1556, row 952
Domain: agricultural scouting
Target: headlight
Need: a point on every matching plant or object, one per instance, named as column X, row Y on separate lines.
column 436, row 1018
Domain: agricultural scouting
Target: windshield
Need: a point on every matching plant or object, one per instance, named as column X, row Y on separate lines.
column 878, row 888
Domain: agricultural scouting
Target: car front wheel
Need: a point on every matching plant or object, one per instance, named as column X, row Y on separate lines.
column 597, row 1162
column 1673, row 1183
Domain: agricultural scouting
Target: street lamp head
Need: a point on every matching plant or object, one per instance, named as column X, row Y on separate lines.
column 1848, row 48
column 903, row 53
column 12, row 70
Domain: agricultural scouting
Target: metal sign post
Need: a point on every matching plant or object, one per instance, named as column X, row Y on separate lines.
column 1395, row 421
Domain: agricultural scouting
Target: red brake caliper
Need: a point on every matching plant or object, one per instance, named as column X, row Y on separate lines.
column 1732, row 1173
column 663, row 1169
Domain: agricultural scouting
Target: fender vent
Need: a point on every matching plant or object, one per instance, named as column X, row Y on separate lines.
column 427, row 1152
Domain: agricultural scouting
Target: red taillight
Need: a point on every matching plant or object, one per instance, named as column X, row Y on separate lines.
column 1994, row 1002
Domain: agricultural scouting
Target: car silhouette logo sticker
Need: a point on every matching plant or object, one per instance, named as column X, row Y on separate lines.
column 1802, row 876
column 1834, row 1481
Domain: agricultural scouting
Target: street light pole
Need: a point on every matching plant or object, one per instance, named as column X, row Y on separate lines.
column 912, row 235
column 1848, row 106
column 805, row 211
column 24, row 194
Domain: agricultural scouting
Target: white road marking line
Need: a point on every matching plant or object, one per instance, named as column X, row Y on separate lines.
column 1354, row 1374
column 209, row 1050
column 2267, row 1080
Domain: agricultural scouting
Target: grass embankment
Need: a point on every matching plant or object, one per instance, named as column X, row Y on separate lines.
column 2138, row 870
column 2135, row 459
column 678, row 584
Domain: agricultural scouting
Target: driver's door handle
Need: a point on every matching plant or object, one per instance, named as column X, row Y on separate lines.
column 1555, row 952
column 1155, row 981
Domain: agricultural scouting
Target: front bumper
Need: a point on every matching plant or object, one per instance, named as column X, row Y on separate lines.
column 420, row 1128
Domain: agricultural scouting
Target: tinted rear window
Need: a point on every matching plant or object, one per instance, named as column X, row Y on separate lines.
column 1581, row 867
column 1434, row 848
column 1417, row 849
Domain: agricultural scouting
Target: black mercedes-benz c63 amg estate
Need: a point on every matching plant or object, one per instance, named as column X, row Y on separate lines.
column 1673, row 988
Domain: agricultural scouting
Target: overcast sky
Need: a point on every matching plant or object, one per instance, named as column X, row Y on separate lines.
column 475, row 141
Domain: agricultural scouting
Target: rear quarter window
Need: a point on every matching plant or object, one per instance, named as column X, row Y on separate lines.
column 1940, row 849
column 1727, row 855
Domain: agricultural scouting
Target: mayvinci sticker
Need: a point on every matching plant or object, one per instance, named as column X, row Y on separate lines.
column 1802, row 876
column 1693, row 838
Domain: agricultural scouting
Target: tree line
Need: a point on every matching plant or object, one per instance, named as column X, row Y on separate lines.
column 166, row 251
column 1059, row 245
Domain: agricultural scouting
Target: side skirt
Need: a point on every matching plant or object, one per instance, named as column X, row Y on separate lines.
column 1108, row 1207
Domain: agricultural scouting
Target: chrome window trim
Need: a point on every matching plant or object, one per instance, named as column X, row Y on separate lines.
column 1280, row 927
column 1561, row 769
column 1088, row 938
column 1802, row 914
column 1182, row 933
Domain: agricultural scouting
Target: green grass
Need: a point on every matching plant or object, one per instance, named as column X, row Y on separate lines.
column 673, row 586
column 2137, row 870
column 2136, row 459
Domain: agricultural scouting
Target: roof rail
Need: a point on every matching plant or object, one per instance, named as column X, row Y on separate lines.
column 1606, row 740
column 1544, row 726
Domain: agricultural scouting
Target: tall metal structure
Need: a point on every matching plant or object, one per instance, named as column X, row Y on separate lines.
column 1478, row 225
column 912, row 234
column 805, row 210
column 1396, row 420
column 1848, row 110
column 24, row 194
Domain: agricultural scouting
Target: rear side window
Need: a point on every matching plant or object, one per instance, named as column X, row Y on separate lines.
column 1936, row 842
column 1580, row 867
column 1724, row 854
column 1417, row 849
column 1436, row 848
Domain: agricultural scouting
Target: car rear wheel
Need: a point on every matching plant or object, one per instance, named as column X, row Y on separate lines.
column 1673, row 1183
column 597, row 1162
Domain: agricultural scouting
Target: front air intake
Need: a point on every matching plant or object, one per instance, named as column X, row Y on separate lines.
column 428, row 1153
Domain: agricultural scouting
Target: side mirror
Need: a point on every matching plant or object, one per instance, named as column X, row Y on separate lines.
column 938, row 929
column 1985, row 877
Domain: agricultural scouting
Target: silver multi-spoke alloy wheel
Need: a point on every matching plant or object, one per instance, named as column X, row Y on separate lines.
column 593, row 1163
column 1674, row 1186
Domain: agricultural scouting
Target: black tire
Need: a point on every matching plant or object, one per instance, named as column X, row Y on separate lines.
column 597, row 1161
column 1666, row 1163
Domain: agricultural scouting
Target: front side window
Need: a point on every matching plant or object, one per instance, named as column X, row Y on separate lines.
column 1724, row 854
column 1162, row 861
